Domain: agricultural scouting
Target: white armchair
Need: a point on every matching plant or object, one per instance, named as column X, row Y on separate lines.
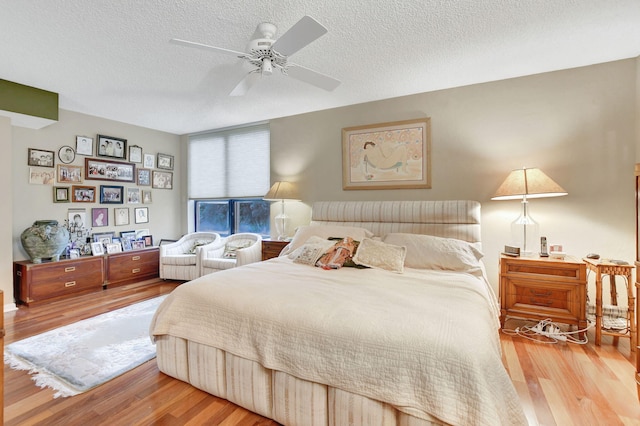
column 180, row 260
column 233, row 251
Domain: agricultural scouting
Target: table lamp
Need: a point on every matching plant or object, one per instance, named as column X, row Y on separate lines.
column 281, row 191
column 523, row 184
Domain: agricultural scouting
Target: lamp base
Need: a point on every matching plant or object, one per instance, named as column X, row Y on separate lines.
column 525, row 233
column 282, row 222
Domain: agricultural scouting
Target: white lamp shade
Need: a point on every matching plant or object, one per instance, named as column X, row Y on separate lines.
column 528, row 183
column 282, row 191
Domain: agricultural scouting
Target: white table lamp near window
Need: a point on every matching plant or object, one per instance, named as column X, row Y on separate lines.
column 281, row 191
column 523, row 184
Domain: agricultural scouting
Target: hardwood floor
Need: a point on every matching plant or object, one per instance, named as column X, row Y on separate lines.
column 561, row 384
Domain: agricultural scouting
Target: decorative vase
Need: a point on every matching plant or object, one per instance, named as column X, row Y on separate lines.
column 44, row 239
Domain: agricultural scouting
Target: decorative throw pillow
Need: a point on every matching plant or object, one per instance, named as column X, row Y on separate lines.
column 335, row 257
column 195, row 246
column 303, row 233
column 312, row 245
column 231, row 247
column 381, row 255
column 430, row 252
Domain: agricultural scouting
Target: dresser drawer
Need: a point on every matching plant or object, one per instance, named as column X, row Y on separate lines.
column 67, row 286
column 65, row 271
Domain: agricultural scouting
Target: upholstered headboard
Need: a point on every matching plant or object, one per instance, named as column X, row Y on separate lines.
column 452, row 218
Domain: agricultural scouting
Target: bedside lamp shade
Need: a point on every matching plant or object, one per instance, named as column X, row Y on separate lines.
column 522, row 184
column 281, row 191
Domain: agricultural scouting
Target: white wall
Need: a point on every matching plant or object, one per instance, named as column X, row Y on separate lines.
column 578, row 126
column 35, row 202
column 6, row 214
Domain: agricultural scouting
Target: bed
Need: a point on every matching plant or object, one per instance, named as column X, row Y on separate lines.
column 411, row 339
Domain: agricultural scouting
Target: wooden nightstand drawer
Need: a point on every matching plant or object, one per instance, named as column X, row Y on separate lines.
column 271, row 249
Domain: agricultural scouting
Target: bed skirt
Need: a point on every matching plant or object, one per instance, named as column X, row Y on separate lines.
column 273, row 394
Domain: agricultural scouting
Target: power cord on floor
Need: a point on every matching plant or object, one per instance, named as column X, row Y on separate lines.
column 552, row 331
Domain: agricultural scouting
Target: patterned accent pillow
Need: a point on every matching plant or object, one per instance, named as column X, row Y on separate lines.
column 197, row 244
column 231, row 247
column 377, row 254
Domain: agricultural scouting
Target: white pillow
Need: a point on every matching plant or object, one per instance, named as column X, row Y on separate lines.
column 430, row 252
column 311, row 250
column 325, row 231
column 378, row 254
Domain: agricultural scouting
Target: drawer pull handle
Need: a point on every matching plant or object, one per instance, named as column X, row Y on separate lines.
column 538, row 302
column 135, row 258
column 540, row 293
column 135, row 271
column 70, row 284
column 70, row 269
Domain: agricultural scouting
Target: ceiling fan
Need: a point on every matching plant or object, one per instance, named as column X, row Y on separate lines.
column 265, row 53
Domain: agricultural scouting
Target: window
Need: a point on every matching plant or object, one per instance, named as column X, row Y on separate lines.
column 228, row 217
column 228, row 174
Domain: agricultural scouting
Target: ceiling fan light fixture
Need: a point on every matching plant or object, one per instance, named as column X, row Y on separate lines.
column 266, row 68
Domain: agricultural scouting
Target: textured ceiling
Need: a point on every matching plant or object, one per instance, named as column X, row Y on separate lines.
column 113, row 59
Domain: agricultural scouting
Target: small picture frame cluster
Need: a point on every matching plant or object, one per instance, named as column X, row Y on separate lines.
column 107, row 242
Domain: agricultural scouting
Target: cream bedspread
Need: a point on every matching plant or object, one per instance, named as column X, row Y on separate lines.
column 422, row 341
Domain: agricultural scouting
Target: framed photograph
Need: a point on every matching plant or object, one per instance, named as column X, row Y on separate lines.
column 77, row 219
column 128, row 235
column 141, row 214
column 74, row 253
column 104, row 238
column 137, row 245
column 162, row 180
column 110, row 194
column 146, row 197
column 66, row 154
column 109, row 146
column 141, row 233
column 84, row 145
column 61, row 194
column 99, row 217
column 114, row 248
column 126, row 244
column 135, row 154
column 121, row 216
column 69, row 174
column 149, row 161
column 144, row 177
column 40, row 157
column 148, row 240
column 42, row 176
column 165, row 161
column 133, row 195
column 97, row 249
column 109, row 170
column 83, row 194
column 394, row 155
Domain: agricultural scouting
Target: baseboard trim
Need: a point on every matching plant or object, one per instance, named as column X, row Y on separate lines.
column 10, row 307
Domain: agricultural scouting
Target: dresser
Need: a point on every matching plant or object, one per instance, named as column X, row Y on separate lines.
column 34, row 283
column 538, row 288
column 132, row 266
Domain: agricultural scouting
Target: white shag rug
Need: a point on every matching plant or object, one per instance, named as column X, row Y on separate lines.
column 80, row 356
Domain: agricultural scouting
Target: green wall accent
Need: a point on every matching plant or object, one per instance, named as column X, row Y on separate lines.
column 28, row 100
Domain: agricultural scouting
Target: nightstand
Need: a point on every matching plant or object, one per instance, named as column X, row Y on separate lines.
column 539, row 288
column 272, row 248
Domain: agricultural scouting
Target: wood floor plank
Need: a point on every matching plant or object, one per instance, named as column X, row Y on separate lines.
column 561, row 384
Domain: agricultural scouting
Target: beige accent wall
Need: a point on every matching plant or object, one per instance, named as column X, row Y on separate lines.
column 578, row 126
column 35, row 202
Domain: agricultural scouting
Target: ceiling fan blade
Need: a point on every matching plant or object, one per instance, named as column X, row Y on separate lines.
column 305, row 31
column 205, row 47
column 246, row 83
column 312, row 77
